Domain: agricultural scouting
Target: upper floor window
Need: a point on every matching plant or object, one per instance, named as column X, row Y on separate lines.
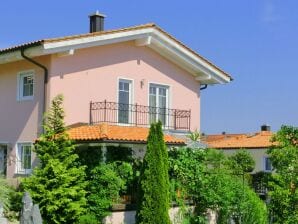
column 26, row 85
column 267, row 164
column 24, row 162
column 158, row 103
column 124, row 100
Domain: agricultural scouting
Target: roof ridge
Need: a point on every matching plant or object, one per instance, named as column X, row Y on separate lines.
column 54, row 39
column 41, row 41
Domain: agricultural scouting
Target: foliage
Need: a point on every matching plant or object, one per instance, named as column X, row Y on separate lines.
column 88, row 219
column 57, row 185
column 207, row 179
column 283, row 187
column 107, row 180
column 246, row 205
column 260, row 181
column 113, row 154
column 15, row 197
column 242, row 162
column 89, row 156
column 5, row 191
column 154, row 188
column 194, row 136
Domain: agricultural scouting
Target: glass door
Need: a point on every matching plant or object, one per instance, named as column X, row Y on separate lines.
column 124, row 100
column 158, row 103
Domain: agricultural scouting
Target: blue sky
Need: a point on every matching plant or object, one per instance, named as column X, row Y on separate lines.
column 255, row 41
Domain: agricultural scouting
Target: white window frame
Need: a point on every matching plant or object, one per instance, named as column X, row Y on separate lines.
column 131, row 96
column 168, row 96
column 20, row 85
column 264, row 164
column 19, row 169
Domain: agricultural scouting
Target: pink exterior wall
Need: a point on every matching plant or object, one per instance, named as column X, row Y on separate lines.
column 92, row 75
column 19, row 120
column 89, row 75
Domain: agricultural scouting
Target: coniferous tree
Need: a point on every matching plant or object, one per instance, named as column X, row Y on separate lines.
column 153, row 205
column 57, row 184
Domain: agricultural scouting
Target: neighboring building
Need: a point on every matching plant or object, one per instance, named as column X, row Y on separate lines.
column 256, row 144
column 114, row 84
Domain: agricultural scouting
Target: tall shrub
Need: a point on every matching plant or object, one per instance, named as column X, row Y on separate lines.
column 153, row 205
column 57, row 185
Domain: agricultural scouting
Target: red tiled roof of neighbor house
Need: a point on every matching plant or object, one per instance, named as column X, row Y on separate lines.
column 236, row 141
column 216, row 137
column 72, row 37
column 114, row 133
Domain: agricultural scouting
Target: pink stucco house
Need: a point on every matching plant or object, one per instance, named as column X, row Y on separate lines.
column 114, row 84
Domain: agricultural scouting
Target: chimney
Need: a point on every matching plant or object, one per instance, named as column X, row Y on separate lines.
column 265, row 127
column 96, row 22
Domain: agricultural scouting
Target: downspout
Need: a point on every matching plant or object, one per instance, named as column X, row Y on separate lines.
column 45, row 81
column 204, row 87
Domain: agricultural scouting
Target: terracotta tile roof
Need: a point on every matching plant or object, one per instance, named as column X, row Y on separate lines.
column 149, row 25
column 211, row 138
column 106, row 132
column 234, row 141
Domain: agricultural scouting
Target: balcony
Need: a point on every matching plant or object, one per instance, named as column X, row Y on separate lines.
column 138, row 115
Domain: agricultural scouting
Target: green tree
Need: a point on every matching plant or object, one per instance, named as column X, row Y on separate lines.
column 153, row 205
column 57, row 184
column 242, row 162
column 211, row 184
column 283, row 187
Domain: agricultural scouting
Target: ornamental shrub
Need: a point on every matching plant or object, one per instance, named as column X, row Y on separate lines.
column 57, row 184
column 153, row 204
column 105, row 184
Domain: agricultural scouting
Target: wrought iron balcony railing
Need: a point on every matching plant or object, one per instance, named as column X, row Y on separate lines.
column 138, row 115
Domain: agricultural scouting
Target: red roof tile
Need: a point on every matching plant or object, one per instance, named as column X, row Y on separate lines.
column 106, row 132
column 233, row 141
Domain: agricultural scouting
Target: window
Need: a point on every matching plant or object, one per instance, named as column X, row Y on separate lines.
column 3, row 152
column 158, row 103
column 124, row 100
column 24, row 163
column 267, row 164
column 25, row 85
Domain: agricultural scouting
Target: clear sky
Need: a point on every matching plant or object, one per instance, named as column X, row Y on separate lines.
column 256, row 41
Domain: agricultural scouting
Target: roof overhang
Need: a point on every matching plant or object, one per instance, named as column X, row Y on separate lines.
column 152, row 37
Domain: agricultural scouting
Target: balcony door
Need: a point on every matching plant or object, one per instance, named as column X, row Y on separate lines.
column 3, row 153
column 158, row 103
column 124, row 100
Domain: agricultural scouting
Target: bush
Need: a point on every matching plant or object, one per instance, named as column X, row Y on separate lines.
column 88, row 219
column 5, row 191
column 16, row 204
column 106, row 182
column 207, row 179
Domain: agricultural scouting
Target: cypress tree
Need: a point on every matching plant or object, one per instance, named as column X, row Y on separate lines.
column 153, row 204
column 57, row 184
